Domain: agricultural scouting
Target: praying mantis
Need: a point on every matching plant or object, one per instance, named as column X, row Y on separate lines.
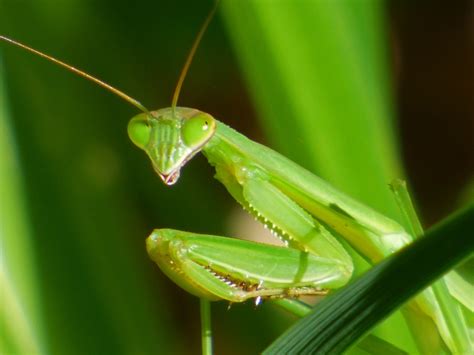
column 303, row 210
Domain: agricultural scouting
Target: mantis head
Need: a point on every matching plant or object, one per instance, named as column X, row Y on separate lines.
column 171, row 137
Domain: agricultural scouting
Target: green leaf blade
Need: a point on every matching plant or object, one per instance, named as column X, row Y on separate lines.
column 339, row 321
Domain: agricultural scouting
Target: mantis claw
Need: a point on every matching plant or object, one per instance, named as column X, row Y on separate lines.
column 216, row 267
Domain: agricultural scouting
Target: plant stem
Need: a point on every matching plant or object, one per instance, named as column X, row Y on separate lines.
column 405, row 204
column 295, row 307
column 446, row 309
column 206, row 331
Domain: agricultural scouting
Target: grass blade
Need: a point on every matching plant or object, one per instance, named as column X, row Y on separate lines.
column 339, row 321
column 446, row 309
column 21, row 324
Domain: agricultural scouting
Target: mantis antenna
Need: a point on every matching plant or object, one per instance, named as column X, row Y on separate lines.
column 81, row 73
column 190, row 57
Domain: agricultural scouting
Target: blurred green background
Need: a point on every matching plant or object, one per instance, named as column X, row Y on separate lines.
column 78, row 199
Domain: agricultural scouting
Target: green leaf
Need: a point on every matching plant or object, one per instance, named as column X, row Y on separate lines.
column 21, row 326
column 339, row 321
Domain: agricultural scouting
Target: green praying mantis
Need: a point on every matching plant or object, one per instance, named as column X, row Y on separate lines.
column 304, row 211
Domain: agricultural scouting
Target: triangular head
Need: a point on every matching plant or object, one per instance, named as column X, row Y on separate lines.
column 170, row 137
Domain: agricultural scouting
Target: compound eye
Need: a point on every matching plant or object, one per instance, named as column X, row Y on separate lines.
column 198, row 130
column 139, row 131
